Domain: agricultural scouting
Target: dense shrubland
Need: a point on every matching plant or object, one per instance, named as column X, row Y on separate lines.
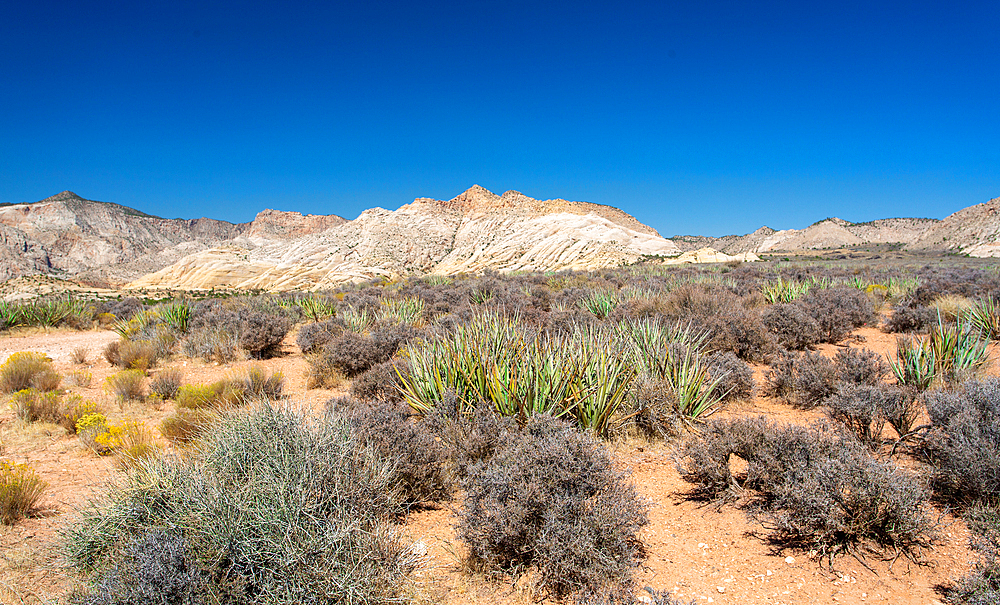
column 493, row 392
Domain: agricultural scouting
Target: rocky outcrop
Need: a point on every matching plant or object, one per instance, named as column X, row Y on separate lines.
column 709, row 255
column 276, row 224
column 974, row 231
column 68, row 235
column 474, row 231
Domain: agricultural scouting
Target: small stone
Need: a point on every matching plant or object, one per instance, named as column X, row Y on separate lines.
column 702, row 545
column 721, row 589
column 769, row 572
column 790, row 560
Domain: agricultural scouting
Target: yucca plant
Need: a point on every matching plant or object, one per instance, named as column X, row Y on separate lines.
column 408, row 310
column 696, row 392
column 607, row 373
column 783, row 291
column 649, row 340
column 317, row 308
column 10, row 315
column 600, row 302
column 984, row 317
column 915, row 364
column 176, row 316
column 958, row 351
column 358, row 320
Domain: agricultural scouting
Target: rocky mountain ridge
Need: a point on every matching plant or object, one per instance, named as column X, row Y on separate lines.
column 474, row 231
column 109, row 244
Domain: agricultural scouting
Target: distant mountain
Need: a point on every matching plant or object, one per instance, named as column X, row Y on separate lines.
column 109, row 244
column 106, row 243
column 474, row 231
column 827, row 233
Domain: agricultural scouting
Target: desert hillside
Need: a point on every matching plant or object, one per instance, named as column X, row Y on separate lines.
column 474, row 231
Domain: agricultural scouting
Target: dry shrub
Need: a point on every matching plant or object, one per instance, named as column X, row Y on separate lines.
column 73, row 409
column 22, row 369
column 166, row 383
column 982, row 585
column 838, row 311
column 79, row 355
column 80, row 378
column 549, row 499
column 469, row 437
column 864, row 410
column 734, row 376
column 964, row 442
column 20, row 490
column 32, row 405
column 813, row 487
column 860, row 366
column 656, row 413
column 261, row 333
column 910, row 316
column 137, row 354
column 379, row 383
column 950, row 306
column 313, row 336
column 112, row 353
column 803, row 380
column 155, row 568
column 126, row 385
column 185, row 425
column 792, row 327
column 257, row 383
column 392, row 430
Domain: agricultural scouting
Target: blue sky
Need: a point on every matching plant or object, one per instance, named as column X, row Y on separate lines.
column 697, row 117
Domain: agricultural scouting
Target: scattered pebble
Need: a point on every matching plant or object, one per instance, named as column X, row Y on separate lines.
column 789, row 560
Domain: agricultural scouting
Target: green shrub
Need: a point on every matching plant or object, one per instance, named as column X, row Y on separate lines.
column 550, row 500
column 272, row 508
column 20, row 490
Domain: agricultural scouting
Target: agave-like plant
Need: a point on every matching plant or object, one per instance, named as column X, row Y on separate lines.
column 317, row 308
column 408, row 310
column 600, row 302
column 915, row 364
column 984, row 317
column 358, row 320
column 784, row 291
column 176, row 315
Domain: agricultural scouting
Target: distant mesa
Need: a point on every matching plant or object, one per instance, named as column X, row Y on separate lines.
column 68, row 236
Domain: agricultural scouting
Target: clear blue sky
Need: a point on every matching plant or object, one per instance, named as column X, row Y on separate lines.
column 697, row 117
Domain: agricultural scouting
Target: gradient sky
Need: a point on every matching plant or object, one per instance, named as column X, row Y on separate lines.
column 698, row 117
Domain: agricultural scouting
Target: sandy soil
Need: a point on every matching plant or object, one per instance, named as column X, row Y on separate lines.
column 706, row 553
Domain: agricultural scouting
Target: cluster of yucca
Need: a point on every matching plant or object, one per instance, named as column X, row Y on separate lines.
column 784, row 291
column 408, row 310
column 586, row 375
column 951, row 352
column 46, row 313
column 601, row 302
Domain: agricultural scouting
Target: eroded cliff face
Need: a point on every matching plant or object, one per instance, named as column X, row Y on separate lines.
column 66, row 234
column 473, row 231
